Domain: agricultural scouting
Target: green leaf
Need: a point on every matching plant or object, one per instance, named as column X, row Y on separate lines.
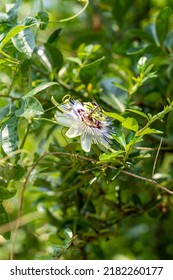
column 162, row 24
column 24, row 42
column 6, row 193
column 55, row 57
column 68, row 233
column 9, row 135
column 6, row 111
column 119, row 137
column 13, row 32
column 88, row 71
column 12, row 10
column 43, row 18
column 115, row 116
column 149, row 131
column 30, row 107
column 130, row 123
column 120, row 86
column 4, row 220
column 19, row 172
column 111, row 156
column 54, row 36
column 138, row 113
column 30, row 21
column 39, row 88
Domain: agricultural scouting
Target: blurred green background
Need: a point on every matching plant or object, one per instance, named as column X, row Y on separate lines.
column 110, row 217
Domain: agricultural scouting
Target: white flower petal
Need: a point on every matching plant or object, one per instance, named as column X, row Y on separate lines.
column 86, row 141
column 63, row 120
column 75, row 130
column 102, row 139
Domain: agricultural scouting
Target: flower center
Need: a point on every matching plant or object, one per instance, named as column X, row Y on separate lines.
column 89, row 120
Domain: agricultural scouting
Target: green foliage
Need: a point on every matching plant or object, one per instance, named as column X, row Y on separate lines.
column 70, row 204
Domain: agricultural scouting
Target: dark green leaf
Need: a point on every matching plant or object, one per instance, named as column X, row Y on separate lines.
column 4, row 220
column 30, row 20
column 19, row 172
column 30, row 107
column 6, row 193
column 6, row 111
column 9, row 135
column 162, row 24
column 88, row 71
column 44, row 19
column 54, row 36
column 142, row 34
column 55, row 57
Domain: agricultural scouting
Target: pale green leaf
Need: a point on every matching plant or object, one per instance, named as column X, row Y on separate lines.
column 39, row 88
column 24, row 42
column 115, row 116
column 9, row 135
column 130, row 123
column 138, row 113
column 13, row 32
column 68, row 233
column 120, row 86
column 30, row 108
column 149, row 131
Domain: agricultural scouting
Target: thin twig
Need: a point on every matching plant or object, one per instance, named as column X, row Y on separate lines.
column 155, row 161
column 151, row 181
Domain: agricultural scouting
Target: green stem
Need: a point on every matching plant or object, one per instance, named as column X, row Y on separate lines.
column 25, row 136
column 9, row 58
column 76, row 15
column 158, row 116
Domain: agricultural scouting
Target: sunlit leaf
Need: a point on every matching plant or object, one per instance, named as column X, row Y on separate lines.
column 115, row 116
column 68, row 233
column 13, row 32
column 149, row 131
column 30, row 107
column 24, row 42
column 119, row 137
column 9, row 135
column 130, row 123
column 39, row 88
column 6, row 111
column 138, row 113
